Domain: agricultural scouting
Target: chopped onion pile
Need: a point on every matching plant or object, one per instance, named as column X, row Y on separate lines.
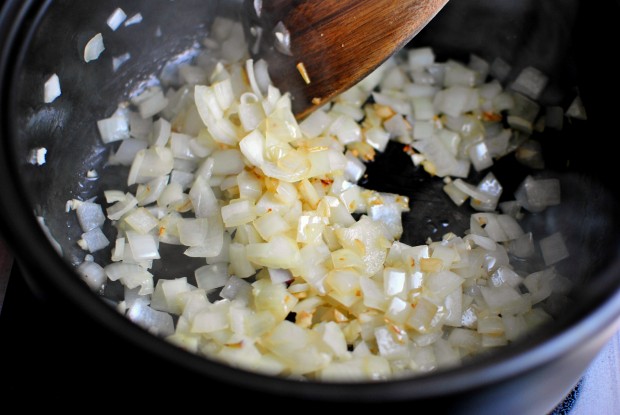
column 303, row 273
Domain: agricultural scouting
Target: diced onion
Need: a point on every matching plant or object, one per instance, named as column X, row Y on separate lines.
column 304, row 272
column 118, row 61
column 94, row 48
column 94, row 240
column 93, row 274
column 113, row 129
column 117, row 17
column 530, row 82
column 51, row 89
column 135, row 19
column 553, row 248
column 90, row 215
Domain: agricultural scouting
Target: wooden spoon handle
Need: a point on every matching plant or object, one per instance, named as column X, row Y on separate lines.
column 337, row 42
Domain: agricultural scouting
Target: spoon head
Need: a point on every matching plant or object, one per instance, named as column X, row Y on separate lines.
column 317, row 50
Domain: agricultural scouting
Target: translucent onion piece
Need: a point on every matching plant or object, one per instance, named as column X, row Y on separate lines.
column 117, row 17
column 94, row 48
column 166, row 296
column 536, row 195
column 127, row 151
column 143, row 247
column 530, row 82
column 135, row 19
column 236, row 289
column 118, row 61
column 156, row 322
column 113, row 129
column 152, row 102
column 576, row 109
column 213, row 276
column 51, row 89
column 93, row 274
column 90, row 215
column 553, row 248
column 149, row 164
column 95, row 240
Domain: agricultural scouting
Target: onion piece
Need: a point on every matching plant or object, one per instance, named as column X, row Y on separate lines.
column 523, row 246
column 418, row 58
column 90, row 215
column 127, row 151
column 237, row 289
column 167, row 293
column 553, row 248
column 151, row 102
column 141, row 220
column 51, row 89
column 490, row 187
column 94, row 48
column 144, row 247
column 92, row 274
column 120, row 60
column 122, row 206
column 457, row 74
column 530, row 82
column 156, row 322
column 149, row 164
column 113, row 129
column 576, row 109
column 94, row 240
column 117, row 17
column 135, row 19
column 536, row 195
column 37, row 156
column 209, row 277
column 480, row 156
column 500, row 69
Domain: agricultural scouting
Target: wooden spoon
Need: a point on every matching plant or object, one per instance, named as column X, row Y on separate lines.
column 332, row 44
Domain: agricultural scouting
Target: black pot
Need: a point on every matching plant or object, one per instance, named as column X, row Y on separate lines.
column 38, row 38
